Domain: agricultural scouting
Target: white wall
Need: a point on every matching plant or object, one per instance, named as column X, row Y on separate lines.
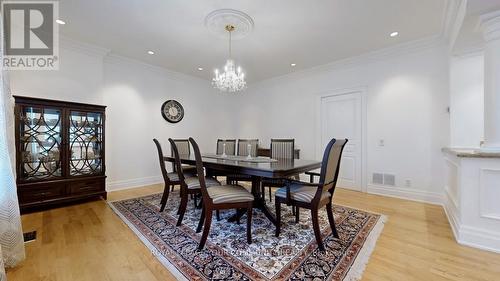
column 467, row 100
column 78, row 79
column 407, row 98
column 133, row 93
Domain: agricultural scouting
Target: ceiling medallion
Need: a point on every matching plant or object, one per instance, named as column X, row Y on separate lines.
column 232, row 79
column 217, row 20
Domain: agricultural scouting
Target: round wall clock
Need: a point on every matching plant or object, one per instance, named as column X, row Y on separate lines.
column 172, row 111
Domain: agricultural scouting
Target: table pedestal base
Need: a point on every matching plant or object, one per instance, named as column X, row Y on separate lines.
column 259, row 203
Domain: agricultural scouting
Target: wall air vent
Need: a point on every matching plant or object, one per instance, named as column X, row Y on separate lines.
column 389, row 179
column 378, row 178
column 384, row 179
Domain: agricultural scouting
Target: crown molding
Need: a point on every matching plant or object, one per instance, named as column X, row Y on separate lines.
column 453, row 17
column 364, row 59
column 109, row 57
column 119, row 60
column 470, row 52
column 489, row 24
column 81, row 47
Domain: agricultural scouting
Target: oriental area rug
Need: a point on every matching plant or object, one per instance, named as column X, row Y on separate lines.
column 292, row 256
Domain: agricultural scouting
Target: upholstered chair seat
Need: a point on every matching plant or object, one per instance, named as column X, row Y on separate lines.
column 229, row 194
column 302, row 193
column 194, row 183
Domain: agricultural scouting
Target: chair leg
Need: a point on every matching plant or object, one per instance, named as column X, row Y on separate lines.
column 217, row 214
column 270, row 195
column 297, row 213
column 206, row 229
column 181, row 195
column 237, row 217
column 278, row 216
column 172, row 187
column 249, row 223
column 182, row 208
column 202, row 218
column 263, row 192
column 329, row 211
column 164, row 198
column 293, row 210
column 317, row 233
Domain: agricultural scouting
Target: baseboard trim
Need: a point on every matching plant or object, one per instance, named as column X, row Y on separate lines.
column 132, row 183
column 452, row 216
column 405, row 193
column 479, row 238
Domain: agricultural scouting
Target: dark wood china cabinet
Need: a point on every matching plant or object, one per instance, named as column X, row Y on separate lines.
column 60, row 152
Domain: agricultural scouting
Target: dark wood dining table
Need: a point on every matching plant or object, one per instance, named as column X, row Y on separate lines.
column 280, row 168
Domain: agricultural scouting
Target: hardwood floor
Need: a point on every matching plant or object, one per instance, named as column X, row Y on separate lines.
column 89, row 242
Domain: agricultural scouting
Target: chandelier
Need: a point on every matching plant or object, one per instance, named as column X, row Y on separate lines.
column 233, row 78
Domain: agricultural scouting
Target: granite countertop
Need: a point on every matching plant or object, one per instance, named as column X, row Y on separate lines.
column 470, row 153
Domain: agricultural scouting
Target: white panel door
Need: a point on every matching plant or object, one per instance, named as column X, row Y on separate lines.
column 341, row 117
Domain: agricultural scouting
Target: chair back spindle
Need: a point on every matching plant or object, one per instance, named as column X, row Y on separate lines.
column 282, row 148
column 243, row 147
column 177, row 162
column 200, row 171
column 183, row 148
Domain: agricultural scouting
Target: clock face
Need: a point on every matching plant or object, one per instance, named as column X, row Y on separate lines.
column 172, row 111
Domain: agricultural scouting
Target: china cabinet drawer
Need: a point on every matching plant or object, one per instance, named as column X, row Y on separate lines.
column 89, row 186
column 41, row 193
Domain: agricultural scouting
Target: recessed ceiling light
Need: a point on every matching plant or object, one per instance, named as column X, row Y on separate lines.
column 60, row 22
column 200, row 68
column 394, row 34
column 151, row 52
column 293, row 64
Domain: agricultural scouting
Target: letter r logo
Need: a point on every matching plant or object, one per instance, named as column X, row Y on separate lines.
column 29, row 28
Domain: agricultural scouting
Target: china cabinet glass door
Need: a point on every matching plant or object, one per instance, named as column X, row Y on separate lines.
column 40, row 143
column 85, row 143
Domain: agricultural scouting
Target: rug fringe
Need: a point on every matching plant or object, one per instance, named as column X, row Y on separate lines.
column 358, row 267
column 169, row 266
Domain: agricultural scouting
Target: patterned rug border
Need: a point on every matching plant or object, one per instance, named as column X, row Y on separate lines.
column 362, row 258
column 355, row 271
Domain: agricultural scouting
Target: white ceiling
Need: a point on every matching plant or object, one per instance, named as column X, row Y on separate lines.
column 308, row 33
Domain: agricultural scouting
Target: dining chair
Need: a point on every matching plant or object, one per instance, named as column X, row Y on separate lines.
column 220, row 198
column 230, row 147
column 283, row 149
column 189, row 185
column 243, row 151
column 170, row 179
column 313, row 196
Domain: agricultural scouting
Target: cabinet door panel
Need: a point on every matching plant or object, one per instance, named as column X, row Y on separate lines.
column 85, row 143
column 40, row 143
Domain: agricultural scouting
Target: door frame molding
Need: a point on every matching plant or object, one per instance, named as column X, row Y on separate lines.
column 364, row 119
